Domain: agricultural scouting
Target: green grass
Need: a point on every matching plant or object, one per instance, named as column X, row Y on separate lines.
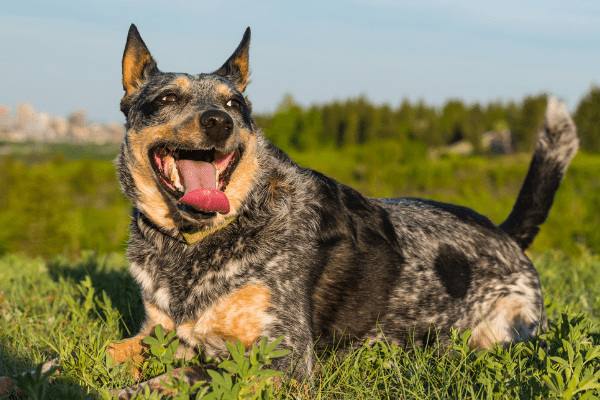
column 75, row 308
column 32, row 152
column 57, row 300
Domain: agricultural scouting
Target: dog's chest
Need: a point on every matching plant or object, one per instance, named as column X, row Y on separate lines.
column 210, row 303
column 242, row 314
column 184, row 284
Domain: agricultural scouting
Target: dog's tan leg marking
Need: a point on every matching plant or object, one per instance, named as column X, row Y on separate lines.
column 128, row 350
column 133, row 349
column 242, row 315
column 512, row 319
column 154, row 317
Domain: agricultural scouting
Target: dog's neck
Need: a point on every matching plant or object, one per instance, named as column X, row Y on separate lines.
column 145, row 226
column 194, row 235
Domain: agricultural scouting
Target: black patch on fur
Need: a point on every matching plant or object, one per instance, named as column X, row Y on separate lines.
column 454, row 270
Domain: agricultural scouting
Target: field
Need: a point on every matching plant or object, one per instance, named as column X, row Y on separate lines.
column 65, row 289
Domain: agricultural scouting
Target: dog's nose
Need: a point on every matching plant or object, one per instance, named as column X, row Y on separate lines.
column 217, row 124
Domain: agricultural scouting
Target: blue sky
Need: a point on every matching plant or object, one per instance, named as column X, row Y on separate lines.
column 63, row 55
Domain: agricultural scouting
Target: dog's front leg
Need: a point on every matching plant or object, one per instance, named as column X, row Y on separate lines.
column 133, row 350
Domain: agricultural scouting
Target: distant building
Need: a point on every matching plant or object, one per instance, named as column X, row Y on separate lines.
column 26, row 124
column 498, row 142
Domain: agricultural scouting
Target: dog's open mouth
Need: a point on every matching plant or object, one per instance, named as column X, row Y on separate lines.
column 197, row 178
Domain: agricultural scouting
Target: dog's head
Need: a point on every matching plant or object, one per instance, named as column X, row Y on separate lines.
column 188, row 160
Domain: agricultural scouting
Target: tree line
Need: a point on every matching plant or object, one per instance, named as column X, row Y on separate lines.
column 357, row 121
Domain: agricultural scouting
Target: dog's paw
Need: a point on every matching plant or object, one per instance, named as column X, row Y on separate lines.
column 130, row 351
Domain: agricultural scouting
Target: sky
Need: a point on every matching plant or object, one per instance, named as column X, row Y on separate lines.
column 64, row 55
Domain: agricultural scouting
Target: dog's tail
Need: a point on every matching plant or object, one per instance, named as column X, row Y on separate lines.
column 555, row 148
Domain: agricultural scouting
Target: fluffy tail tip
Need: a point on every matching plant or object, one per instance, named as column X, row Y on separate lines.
column 559, row 131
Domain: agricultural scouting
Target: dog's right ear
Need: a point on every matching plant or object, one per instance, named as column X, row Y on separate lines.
column 236, row 68
column 138, row 64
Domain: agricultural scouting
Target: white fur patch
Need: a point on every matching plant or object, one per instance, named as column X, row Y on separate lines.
column 162, row 298
column 510, row 319
column 142, row 277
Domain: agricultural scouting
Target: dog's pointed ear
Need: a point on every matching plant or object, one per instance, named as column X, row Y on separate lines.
column 138, row 64
column 237, row 69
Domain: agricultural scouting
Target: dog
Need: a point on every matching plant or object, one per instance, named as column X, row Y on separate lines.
column 231, row 239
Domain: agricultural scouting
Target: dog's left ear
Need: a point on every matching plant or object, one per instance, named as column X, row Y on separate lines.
column 237, row 69
column 138, row 64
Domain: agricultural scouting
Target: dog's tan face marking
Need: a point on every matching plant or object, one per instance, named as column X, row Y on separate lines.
column 242, row 315
column 223, row 90
column 242, row 64
column 242, row 179
column 150, row 200
column 182, row 82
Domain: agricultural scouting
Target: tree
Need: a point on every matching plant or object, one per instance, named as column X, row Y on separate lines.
column 453, row 121
column 529, row 122
column 587, row 119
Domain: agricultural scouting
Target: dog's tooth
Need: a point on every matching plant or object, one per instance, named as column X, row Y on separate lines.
column 216, row 173
column 174, row 175
column 167, row 161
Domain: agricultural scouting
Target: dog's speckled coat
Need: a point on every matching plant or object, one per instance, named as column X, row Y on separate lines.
column 310, row 258
column 305, row 256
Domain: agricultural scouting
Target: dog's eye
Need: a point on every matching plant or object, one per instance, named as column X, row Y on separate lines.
column 169, row 98
column 234, row 103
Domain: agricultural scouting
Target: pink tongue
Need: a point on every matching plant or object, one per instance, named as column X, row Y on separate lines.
column 200, row 182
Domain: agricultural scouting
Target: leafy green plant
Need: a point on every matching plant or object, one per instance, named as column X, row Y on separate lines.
column 34, row 384
column 162, row 352
column 244, row 377
column 575, row 368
